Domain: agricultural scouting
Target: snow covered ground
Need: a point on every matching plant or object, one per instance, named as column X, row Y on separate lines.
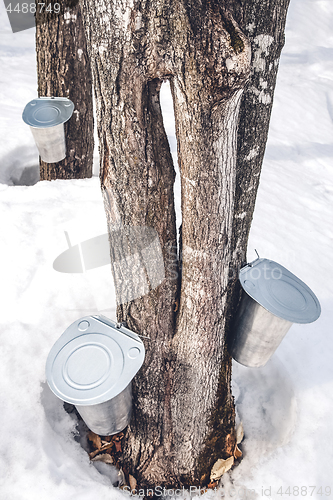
column 286, row 407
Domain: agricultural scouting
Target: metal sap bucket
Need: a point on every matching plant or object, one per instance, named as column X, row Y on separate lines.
column 274, row 299
column 46, row 117
column 110, row 417
column 91, row 366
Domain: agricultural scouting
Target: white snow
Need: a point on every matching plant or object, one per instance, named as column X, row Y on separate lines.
column 286, row 407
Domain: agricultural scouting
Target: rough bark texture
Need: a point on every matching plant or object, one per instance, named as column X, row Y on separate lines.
column 263, row 23
column 183, row 408
column 64, row 71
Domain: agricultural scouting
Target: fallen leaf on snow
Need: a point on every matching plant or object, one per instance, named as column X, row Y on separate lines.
column 103, row 448
column 118, row 446
column 121, row 477
column 132, row 482
column 95, row 440
column 239, row 433
column 106, row 439
column 237, row 452
column 103, row 457
column 212, row 485
column 220, row 467
column 229, row 444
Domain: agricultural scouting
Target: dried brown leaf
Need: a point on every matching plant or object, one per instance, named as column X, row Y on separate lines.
column 204, row 478
column 230, row 444
column 118, row 437
column 95, row 440
column 121, row 477
column 107, row 439
column 103, row 457
column 237, row 452
column 220, row 467
column 103, row 448
column 132, row 482
column 118, row 446
column 239, row 433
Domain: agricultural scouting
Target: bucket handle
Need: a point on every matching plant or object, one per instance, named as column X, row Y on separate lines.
column 250, row 264
column 124, row 324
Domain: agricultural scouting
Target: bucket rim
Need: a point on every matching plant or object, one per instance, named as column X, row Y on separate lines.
column 47, row 112
column 284, row 296
column 93, row 361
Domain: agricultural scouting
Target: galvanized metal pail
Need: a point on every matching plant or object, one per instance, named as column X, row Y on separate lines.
column 274, row 299
column 46, row 117
column 91, row 366
column 110, row 417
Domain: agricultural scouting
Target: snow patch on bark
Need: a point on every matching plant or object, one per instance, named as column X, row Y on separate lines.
column 102, row 49
column 230, row 64
column 250, row 27
column 261, row 95
column 124, row 15
column 252, row 154
column 263, row 42
column 138, row 21
column 241, row 216
column 68, row 16
column 262, row 83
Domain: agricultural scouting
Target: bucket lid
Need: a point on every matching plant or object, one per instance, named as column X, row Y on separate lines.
column 279, row 291
column 45, row 112
column 93, row 361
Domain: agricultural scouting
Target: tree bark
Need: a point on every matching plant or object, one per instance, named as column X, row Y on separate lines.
column 63, row 69
column 263, row 23
column 183, row 407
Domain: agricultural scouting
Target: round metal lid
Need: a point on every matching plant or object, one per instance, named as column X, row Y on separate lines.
column 279, row 291
column 93, row 361
column 45, row 112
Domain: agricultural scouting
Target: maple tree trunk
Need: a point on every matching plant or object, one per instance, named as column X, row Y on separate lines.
column 183, row 419
column 63, row 69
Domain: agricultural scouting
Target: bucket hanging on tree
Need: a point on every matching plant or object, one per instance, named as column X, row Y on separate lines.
column 273, row 299
column 92, row 366
column 46, row 117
